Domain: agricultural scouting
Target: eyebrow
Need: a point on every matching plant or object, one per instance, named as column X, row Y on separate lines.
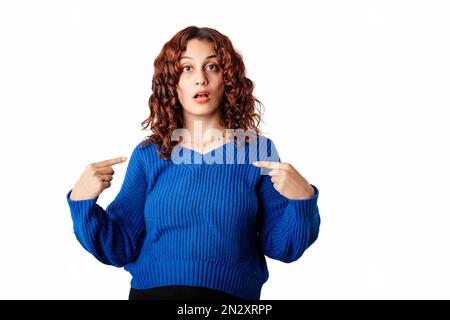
column 208, row 57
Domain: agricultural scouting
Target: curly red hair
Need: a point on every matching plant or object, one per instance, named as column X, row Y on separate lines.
column 239, row 108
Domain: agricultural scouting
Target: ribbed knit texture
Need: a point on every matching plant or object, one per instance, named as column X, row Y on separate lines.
column 203, row 224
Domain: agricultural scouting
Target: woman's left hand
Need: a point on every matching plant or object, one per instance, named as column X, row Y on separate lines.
column 287, row 180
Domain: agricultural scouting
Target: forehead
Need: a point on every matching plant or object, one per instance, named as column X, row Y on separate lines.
column 198, row 50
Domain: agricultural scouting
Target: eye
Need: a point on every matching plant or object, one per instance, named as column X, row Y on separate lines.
column 213, row 65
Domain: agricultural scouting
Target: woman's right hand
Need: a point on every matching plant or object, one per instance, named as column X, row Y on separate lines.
column 96, row 177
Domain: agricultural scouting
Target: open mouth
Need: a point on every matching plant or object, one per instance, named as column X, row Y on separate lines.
column 201, row 95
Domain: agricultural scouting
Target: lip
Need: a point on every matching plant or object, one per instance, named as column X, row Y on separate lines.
column 202, row 92
column 202, row 99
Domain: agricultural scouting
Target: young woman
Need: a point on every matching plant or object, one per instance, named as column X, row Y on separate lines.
column 197, row 214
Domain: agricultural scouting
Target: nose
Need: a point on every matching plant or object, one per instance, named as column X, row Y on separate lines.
column 200, row 79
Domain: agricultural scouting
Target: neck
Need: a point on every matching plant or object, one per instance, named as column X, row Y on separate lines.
column 203, row 127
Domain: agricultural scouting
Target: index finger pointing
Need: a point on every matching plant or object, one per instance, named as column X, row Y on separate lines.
column 110, row 162
column 267, row 164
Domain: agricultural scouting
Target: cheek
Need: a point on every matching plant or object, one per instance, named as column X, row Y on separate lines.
column 221, row 87
column 180, row 91
column 219, row 84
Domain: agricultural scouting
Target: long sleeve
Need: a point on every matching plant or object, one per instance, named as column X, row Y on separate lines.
column 115, row 235
column 288, row 227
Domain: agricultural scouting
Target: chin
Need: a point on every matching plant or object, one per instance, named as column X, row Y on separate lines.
column 200, row 110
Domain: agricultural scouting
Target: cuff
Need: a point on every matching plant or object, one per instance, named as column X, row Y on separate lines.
column 80, row 207
column 306, row 206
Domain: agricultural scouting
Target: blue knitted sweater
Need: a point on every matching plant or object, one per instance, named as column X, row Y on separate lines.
column 197, row 219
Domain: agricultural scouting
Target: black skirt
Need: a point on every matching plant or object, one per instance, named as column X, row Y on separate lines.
column 181, row 293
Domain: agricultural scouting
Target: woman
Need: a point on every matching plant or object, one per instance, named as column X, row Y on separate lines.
column 196, row 214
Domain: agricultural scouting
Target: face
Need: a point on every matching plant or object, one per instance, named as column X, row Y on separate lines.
column 200, row 72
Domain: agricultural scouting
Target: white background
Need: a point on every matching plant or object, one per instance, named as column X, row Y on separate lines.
column 355, row 93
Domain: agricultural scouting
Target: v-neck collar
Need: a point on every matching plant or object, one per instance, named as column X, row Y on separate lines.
column 209, row 152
